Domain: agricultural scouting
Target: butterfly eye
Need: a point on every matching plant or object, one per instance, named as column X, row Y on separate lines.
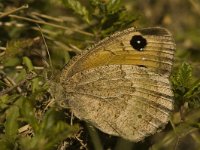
column 138, row 42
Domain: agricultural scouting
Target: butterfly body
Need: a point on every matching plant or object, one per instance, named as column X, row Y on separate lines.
column 121, row 85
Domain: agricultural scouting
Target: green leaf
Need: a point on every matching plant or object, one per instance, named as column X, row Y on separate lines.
column 113, row 6
column 37, row 142
column 62, row 131
column 193, row 95
column 193, row 91
column 28, row 112
column 52, row 125
column 49, row 121
column 78, row 8
column 4, row 101
column 183, row 76
column 185, row 89
column 11, row 124
column 35, row 85
column 13, row 61
column 114, row 17
column 21, row 75
column 27, row 62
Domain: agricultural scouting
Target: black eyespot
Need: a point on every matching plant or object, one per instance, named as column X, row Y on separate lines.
column 138, row 42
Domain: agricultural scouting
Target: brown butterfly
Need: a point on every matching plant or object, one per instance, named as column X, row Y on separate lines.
column 121, row 85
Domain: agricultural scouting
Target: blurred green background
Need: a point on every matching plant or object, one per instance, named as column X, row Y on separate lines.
column 38, row 37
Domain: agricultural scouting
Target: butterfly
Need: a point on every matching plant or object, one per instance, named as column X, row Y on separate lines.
column 121, row 84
